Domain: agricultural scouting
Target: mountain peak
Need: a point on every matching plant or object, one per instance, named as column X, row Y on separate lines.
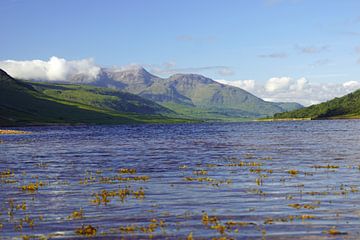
column 132, row 69
column 4, row 74
column 134, row 78
column 190, row 77
column 4, row 77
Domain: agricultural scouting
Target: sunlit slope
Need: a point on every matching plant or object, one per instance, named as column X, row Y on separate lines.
column 33, row 103
column 347, row 106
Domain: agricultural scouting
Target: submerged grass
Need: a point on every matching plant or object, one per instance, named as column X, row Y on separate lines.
column 127, row 187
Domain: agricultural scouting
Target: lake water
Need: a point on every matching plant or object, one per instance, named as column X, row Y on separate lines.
column 252, row 180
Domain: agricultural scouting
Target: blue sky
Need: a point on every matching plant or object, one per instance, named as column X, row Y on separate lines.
column 222, row 39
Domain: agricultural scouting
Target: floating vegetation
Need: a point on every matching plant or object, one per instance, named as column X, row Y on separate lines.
column 190, row 236
column 289, row 218
column 77, row 214
column 252, row 195
column 305, row 206
column 257, row 191
column 127, row 170
column 114, row 179
column 32, row 187
column 260, row 170
column 208, row 220
column 200, row 172
column 6, row 174
column 150, row 228
column 21, row 206
column 86, row 231
column 212, row 181
column 104, row 196
column 293, row 172
column 244, row 164
column 214, row 223
column 334, row 231
column 259, row 181
column 326, row 166
column 26, row 221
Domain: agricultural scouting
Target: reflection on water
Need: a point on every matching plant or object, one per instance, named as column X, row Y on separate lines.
column 244, row 180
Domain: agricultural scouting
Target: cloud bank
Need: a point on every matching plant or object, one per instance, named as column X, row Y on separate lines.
column 312, row 49
column 169, row 68
column 279, row 89
column 286, row 89
column 55, row 69
column 273, row 55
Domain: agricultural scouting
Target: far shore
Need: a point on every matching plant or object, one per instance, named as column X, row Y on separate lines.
column 343, row 117
column 12, row 132
column 283, row 119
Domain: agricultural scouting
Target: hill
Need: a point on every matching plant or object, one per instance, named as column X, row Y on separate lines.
column 347, row 106
column 191, row 95
column 26, row 103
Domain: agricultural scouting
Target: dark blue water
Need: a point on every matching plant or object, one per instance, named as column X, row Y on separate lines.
column 235, row 173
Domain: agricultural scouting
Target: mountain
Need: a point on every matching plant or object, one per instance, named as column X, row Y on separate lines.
column 24, row 103
column 190, row 94
column 289, row 106
column 102, row 98
column 347, row 106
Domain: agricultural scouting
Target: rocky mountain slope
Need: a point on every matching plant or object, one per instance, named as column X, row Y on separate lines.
column 190, row 94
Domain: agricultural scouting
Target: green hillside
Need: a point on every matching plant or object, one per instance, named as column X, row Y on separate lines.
column 24, row 103
column 347, row 106
column 103, row 98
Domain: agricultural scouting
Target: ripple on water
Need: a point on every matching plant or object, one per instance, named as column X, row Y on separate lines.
column 281, row 180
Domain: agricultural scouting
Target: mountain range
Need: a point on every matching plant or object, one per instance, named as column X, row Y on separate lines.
column 190, row 95
column 27, row 103
column 126, row 96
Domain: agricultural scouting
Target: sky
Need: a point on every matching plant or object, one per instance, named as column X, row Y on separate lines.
column 281, row 50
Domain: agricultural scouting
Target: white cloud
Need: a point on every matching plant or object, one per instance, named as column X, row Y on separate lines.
column 128, row 67
column 248, row 85
column 169, row 68
column 277, row 84
column 55, row 69
column 351, row 85
column 286, row 89
column 312, row 49
column 225, row 71
column 273, row 55
column 279, row 89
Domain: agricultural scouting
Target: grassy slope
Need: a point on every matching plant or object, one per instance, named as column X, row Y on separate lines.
column 103, row 98
column 192, row 95
column 209, row 100
column 23, row 104
column 347, row 106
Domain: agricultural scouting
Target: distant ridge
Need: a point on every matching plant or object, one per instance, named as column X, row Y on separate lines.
column 26, row 103
column 190, row 94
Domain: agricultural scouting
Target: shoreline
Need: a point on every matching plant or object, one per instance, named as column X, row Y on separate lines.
column 283, row 119
column 12, row 132
column 305, row 119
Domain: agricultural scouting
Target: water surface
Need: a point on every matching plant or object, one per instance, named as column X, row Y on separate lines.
column 273, row 180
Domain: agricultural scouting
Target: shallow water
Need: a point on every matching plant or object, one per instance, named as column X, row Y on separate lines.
column 245, row 179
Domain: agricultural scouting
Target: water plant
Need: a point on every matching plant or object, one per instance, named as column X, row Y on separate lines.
column 87, row 230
